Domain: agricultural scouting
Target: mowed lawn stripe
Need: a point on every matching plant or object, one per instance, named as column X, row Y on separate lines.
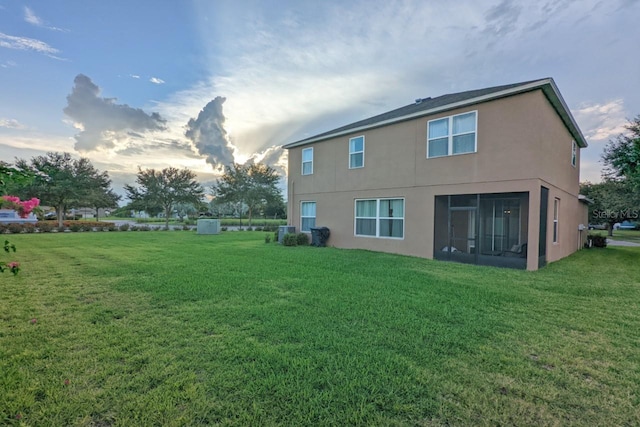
column 173, row 328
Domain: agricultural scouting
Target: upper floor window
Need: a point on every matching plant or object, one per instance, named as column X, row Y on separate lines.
column 452, row 135
column 574, row 153
column 307, row 161
column 307, row 215
column 356, row 152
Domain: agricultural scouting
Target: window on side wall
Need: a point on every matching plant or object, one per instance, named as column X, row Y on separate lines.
column 574, row 153
column 452, row 135
column 556, row 215
column 380, row 218
column 356, row 152
column 307, row 161
column 307, row 216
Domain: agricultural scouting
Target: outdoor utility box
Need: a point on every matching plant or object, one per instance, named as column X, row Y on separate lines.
column 319, row 236
column 285, row 229
column 208, row 226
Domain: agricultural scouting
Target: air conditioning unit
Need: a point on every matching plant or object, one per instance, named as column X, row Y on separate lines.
column 285, row 229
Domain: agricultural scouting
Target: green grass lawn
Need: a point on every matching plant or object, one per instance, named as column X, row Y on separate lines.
column 174, row 328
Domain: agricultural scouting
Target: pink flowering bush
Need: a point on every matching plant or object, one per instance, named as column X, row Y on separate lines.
column 23, row 207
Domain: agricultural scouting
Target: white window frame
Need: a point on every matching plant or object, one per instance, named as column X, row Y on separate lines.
column 556, row 220
column 450, row 135
column 378, row 217
column 574, row 153
column 315, row 207
column 351, row 153
column 309, row 149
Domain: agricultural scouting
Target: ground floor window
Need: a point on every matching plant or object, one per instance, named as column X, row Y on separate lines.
column 556, row 214
column 307, row 216
column 488, row 229
column 380, row 218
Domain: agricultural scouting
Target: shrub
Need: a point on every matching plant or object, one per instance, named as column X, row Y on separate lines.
column 29, row 228
column 111, row 227
column 186, row 227
column 45, row 226
column 290, row 239
column 223, row 228
column 144, row 228
column 276, row 236
column 124, row 227
column 258, row 228
column 135, row 228
column 596, row 241
column 302, row 239
column 14, row 228
column 89, row 227
column 75, row 227
column 3, row 228
column 267, row 238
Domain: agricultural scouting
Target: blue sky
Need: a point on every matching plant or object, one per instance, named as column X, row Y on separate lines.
column 196, row 84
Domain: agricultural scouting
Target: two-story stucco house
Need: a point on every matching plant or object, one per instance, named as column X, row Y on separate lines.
column 488, row 176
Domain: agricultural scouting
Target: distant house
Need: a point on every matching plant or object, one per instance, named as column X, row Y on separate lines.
column 488, row 176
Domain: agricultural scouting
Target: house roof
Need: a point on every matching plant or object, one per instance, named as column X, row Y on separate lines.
column 427, row 106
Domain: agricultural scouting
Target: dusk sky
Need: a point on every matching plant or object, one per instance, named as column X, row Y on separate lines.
column 199, row 84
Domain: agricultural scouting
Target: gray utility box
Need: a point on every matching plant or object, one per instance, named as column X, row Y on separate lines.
column 285, row 229
column 208, row 226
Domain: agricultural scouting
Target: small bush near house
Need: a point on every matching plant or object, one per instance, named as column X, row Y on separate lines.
column 29, row 228
column 267, row 238
column 276, row 236
column 596, row 241
column 144, row 228
column 75, row 227
column 45, row 226
column 223, row 228
column 111, row 227
column 3, row 228
column 14, row 228
column 290, row 239
column 302, row 239
column 186, row 227
column 124, row 227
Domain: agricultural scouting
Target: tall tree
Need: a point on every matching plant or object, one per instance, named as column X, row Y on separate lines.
column 13, row 179
column 253, row 185
column 613, row 201
column 64, row 182
column 102, row 196
column 622, row 155
column 165, row 189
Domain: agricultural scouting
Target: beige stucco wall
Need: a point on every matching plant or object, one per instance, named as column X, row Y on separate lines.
column 521, row 145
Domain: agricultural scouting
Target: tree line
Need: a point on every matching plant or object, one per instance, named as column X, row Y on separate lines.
column 64, row 183
column 617, row 197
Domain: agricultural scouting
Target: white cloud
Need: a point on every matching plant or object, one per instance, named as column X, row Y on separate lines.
column 599, row 122
column 103, row 123
column 156, row 80
column 11, row 124
column 25, row 43
column 134, row 76
column 33, row 19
